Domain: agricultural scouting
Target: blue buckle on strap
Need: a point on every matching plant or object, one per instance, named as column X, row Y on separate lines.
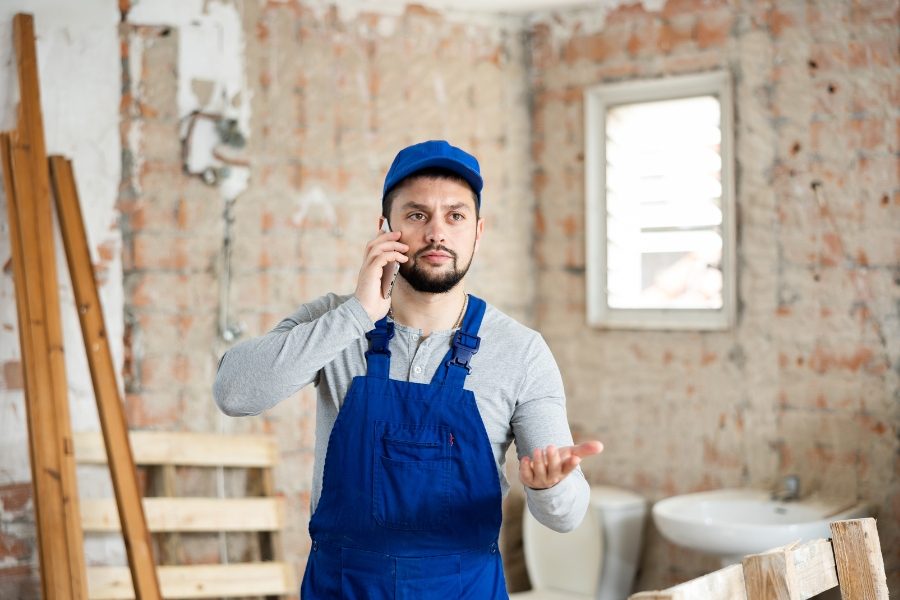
column 379, row 338
column 465, row 346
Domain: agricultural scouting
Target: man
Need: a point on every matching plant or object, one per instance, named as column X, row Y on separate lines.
column 420, row 392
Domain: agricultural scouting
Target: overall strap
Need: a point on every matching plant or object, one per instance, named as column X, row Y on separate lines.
column 455, row 366
column 378, row 357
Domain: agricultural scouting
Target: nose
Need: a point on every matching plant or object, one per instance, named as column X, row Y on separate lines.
column 435, row 233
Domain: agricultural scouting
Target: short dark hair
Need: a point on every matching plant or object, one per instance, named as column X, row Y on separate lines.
column 429, row 173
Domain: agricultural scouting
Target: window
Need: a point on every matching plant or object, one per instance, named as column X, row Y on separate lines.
column 660, row 203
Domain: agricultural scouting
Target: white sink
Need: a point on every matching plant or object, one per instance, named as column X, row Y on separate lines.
column 734, row 522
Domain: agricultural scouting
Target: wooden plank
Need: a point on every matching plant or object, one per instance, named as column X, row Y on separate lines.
column 270, row 545
column 724, row 584
column 199, row 581
column 171, row 550
column 32, row 193
column 33, row 387
column 185, row 448
column 771, row 576
column 103, row 377
column 192, row 514
column 814, row 568
column 860, row 564
column 49, row 499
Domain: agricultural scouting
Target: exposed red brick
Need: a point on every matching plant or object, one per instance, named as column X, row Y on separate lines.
column 713, row 29
column 15, row 497
column 822, row 360
column 627, row 13
column 594, row 48
column 12, row 376
column 680, row 7
column 418, row 10
column 779, row 21
column 672, row 35
column 570, row 225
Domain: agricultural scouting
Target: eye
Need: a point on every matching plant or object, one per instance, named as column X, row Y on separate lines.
column 457, row 216
column 416, row 216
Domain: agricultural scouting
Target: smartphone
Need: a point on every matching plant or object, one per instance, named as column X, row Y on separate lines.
column 389, row 274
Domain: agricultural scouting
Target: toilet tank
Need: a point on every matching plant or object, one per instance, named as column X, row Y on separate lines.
column 599, row 558
column 622, row 515
column 564, row 562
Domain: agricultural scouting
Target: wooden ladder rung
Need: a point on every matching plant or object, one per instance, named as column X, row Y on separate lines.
column 184, row 449
column 198, row 581
column 793, row 571
column 724, row 583
column 191, row 514
column 852, row 558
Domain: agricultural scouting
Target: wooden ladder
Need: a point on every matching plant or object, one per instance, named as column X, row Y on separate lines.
column 161, row 453
column 850, row 560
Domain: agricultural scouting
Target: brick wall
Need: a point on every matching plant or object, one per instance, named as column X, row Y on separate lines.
column 334, row 97
column 80, row 91
column 807, row 382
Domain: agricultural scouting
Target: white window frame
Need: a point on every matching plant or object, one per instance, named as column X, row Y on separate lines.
column 598, row 100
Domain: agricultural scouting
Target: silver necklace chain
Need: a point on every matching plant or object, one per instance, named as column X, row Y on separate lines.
column 459, row 319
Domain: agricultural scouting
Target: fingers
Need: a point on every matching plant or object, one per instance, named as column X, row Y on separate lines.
column 547, row 467
column 383, row 249
column 526, row 472
column 539, row 465
column 551, row 454
column 586, row 449
column 386, row 248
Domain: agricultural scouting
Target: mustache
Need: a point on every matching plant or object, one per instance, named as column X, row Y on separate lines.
column 444, row 249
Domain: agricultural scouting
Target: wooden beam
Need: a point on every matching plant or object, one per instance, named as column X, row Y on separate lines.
column 185, row 449
column 199, row 581
column 31, row 191
column 112, row 418
column 34, row 387
column 53, row 475
column 860, row 565
column 192, row 514
column 771, row 576
column 724, row 584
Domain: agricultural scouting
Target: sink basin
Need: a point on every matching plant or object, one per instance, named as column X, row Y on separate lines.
column 731, row 523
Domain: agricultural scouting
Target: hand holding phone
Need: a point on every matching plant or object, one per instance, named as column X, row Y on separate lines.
column 381, row 261
column 389, row 273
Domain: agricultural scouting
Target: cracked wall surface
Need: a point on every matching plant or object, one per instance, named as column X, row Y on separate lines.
column 807, row 382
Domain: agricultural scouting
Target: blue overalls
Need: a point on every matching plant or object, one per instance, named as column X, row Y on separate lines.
column 410, row 505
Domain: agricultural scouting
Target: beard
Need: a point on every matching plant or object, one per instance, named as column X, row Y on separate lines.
column 423, row 281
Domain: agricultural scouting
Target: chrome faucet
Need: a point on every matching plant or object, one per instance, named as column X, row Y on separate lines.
column 788, row 490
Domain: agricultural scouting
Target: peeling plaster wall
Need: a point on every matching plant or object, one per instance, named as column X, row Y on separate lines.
column 332, row 95
column 77, row 48
column 808, row 381
column 325, row 95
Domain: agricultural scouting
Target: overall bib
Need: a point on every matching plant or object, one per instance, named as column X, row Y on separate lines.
column 410, row 505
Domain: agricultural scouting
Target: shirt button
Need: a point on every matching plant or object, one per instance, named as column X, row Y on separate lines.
column 417, row 370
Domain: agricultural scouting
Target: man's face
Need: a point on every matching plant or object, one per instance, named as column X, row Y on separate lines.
column 437, row 220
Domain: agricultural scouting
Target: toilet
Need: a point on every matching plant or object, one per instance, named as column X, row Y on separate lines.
column 597, row 560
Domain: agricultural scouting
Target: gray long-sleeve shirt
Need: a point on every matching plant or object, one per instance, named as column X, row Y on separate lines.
column 517, row 385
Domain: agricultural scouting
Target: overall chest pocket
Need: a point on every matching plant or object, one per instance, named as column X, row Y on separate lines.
column 412, row 475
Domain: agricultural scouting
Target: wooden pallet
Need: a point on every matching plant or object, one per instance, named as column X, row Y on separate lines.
column 851, row 560
column 168, row 516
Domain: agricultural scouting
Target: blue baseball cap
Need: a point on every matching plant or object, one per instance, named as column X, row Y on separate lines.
column 434, row 153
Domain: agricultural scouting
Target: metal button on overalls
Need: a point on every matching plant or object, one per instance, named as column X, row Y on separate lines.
column 410, row 505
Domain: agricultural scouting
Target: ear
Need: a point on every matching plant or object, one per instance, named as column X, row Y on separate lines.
column 479, row 231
